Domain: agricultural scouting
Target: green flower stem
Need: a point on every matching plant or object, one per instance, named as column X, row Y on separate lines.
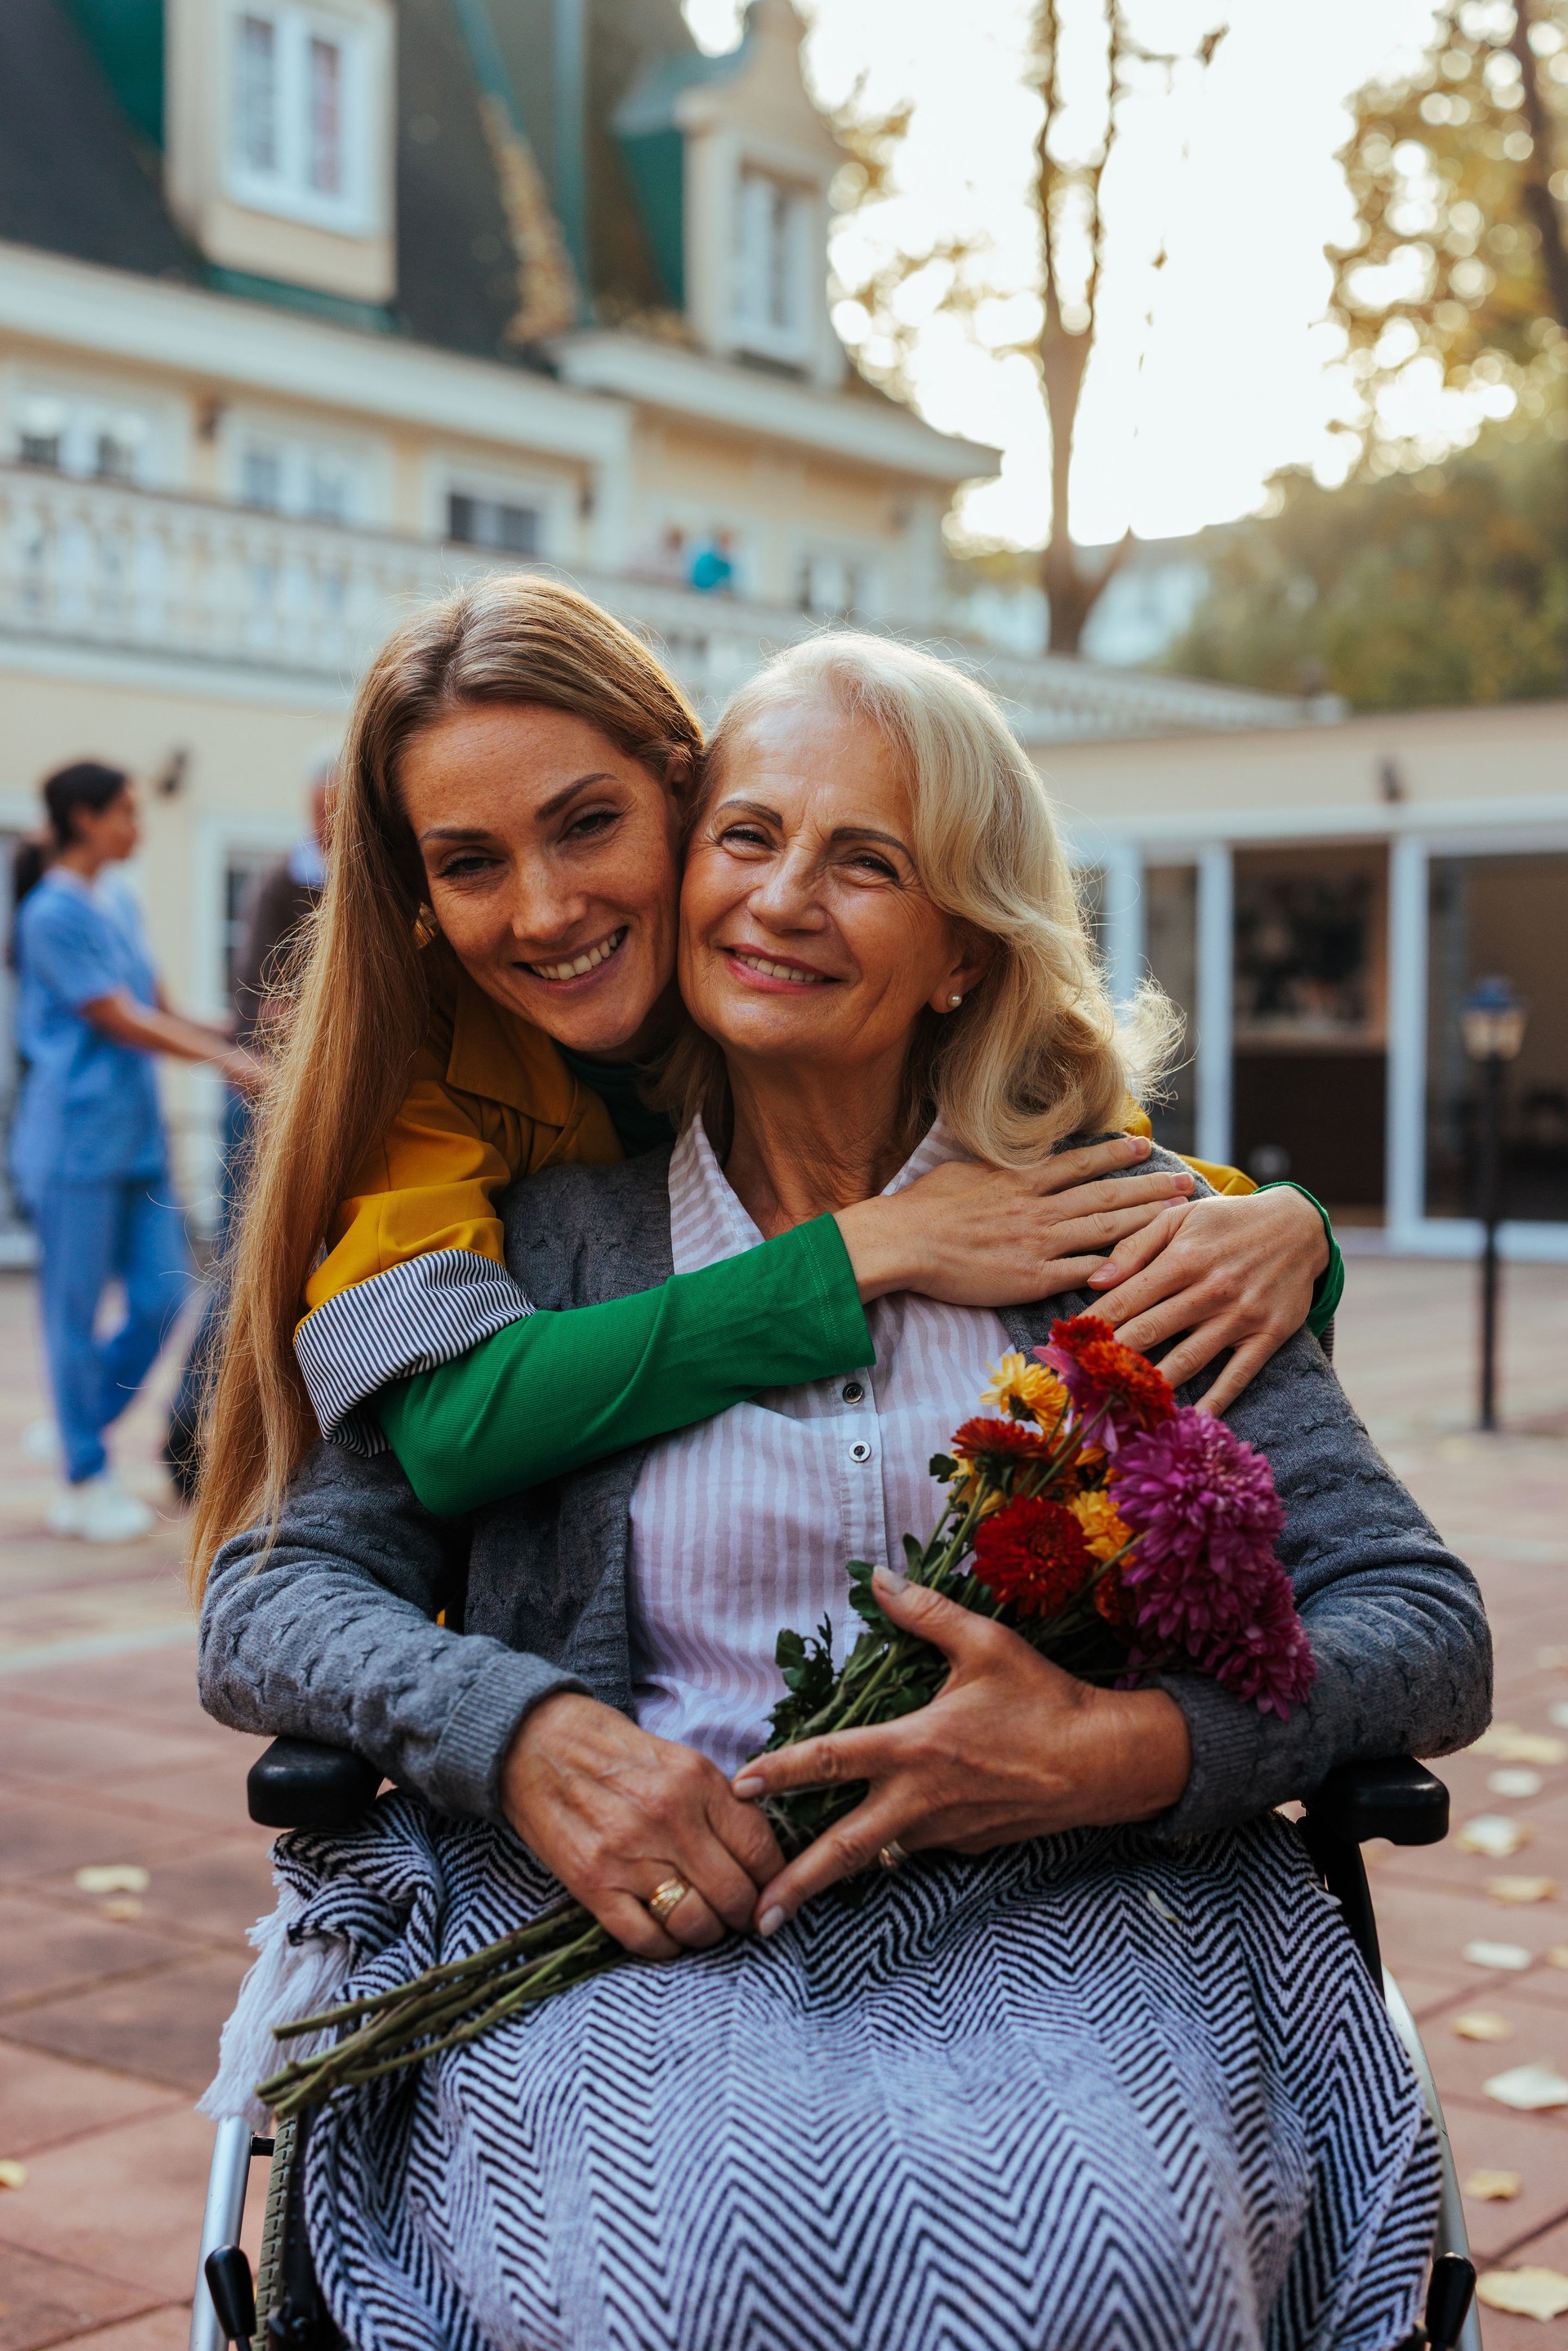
column 477, row 1962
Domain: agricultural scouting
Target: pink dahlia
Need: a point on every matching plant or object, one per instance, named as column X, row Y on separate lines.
column 1202, row 1576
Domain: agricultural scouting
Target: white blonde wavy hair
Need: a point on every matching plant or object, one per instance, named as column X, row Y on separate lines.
column 1037, row 1051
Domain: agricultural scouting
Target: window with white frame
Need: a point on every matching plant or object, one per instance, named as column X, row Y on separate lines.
column 512, row 525
column 774, row 265
column 76, row 433
column 280, row 473
column 833, row 583
column 299, row 113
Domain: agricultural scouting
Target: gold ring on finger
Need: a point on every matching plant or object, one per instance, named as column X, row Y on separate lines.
column 667, row 1897
column 893, row 1856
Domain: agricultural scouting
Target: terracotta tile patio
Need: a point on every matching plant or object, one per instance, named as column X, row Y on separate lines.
column 109, row 2003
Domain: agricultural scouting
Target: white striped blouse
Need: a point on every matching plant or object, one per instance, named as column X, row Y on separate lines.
column 743, row 1525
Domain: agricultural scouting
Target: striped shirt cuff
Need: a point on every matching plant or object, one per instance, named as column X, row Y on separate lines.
column 408, row 1319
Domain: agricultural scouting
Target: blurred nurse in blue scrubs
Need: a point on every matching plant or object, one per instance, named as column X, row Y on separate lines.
column 88, row 1154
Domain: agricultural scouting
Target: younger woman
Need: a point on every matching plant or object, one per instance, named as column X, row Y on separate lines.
column 492, row 973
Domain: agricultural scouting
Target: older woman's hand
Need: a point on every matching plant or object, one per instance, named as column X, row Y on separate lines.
column 615, row 1813
column 1235, row 1273
column 1011, row 1748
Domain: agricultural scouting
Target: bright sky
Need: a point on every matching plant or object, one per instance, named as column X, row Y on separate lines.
column 1235, row 171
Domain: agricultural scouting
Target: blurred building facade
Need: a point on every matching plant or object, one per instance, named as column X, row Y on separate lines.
column 1320, row 903
column 310, row 307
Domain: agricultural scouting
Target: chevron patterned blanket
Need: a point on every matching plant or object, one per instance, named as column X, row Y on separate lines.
column 1083, row 2094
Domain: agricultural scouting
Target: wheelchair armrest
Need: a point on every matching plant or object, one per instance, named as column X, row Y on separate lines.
column 1392, row 1797
column 296, row 1785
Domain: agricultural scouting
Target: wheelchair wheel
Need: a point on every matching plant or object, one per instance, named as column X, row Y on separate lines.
column 290, row 2315
column 272, row 2227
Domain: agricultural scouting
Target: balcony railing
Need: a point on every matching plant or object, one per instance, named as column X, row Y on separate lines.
column 93, row 564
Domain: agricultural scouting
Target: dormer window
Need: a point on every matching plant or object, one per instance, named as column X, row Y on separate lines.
column 297, row 132
column 775, row 245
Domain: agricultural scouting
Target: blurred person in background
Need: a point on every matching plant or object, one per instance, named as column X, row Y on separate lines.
column 285, row 897
column 89, row 1156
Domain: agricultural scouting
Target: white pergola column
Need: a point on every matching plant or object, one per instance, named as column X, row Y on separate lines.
column 1405, row 1170
column 1215, row 968
column 1122, row 919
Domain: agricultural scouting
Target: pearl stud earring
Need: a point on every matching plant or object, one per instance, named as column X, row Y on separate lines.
column 953, row 1002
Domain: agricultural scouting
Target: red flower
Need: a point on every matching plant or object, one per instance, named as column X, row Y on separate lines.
column 1103, row 1375
column 1115, row 1603
column 1013, row 1440
column 1033, row 1556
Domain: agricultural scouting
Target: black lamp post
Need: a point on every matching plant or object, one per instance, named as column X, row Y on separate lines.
column 1492, row 1019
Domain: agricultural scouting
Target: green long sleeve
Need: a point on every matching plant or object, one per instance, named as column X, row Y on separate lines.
column 556, row 1390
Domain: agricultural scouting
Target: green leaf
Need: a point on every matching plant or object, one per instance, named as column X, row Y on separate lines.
column 914, row 1553
column 943, row 1466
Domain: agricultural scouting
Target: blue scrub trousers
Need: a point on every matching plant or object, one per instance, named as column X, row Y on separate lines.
column 88, row 1236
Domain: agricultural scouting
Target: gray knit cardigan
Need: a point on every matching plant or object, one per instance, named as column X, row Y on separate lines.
column 331, row 1634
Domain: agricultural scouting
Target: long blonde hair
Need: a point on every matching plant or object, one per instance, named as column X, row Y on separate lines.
column 1036, row 1052
column 362, row 1003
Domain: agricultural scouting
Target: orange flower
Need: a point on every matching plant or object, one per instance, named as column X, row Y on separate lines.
column 1104, row 1531
column 1103, row 1377
column 1000, row 1440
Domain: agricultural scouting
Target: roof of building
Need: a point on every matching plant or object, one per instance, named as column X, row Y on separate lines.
column 71, row 178
column 80, row 105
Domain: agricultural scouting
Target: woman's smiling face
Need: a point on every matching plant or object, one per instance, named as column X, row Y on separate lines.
column 805, row 932
column 551, row 865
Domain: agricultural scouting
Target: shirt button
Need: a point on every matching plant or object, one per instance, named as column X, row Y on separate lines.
column 853, row 1392
column 860, row 1452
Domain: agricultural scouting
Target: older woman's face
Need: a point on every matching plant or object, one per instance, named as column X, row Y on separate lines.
column 806, row 932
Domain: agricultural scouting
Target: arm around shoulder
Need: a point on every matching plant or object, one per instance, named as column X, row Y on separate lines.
column 330, row 1632
column 1396, row 1619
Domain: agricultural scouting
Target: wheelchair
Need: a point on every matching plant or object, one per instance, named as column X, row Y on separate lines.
column 296, row 1785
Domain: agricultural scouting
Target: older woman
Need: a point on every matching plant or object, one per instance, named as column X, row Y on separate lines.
column 1099, row 2066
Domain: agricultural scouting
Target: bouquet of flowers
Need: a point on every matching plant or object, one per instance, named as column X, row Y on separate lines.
column 1120, row 1535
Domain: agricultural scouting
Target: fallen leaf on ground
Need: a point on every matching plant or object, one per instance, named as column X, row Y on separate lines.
column 114, row 1877
column 1480, row 2024
column 1510, row 1744
column 1494, row 2187
column 1522, row 1890
column 1557, row 1956
column 1512, row 1957
column 1529, row 2089
column 1516, row 1779
column 1526, row 2294
column 1494, row 1835
column 13, row 2175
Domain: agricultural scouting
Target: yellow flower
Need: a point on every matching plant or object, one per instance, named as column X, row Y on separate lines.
column 1104, row 1531
column 1027, row 1391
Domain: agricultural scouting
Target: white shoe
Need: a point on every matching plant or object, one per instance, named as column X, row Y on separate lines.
column 99, row 1511
column 41, row 1441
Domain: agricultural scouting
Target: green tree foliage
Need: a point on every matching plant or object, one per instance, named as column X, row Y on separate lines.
column 1445, row 586
column 1460, row 265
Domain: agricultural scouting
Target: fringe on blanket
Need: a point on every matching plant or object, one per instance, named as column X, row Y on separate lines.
column 287, row 1979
